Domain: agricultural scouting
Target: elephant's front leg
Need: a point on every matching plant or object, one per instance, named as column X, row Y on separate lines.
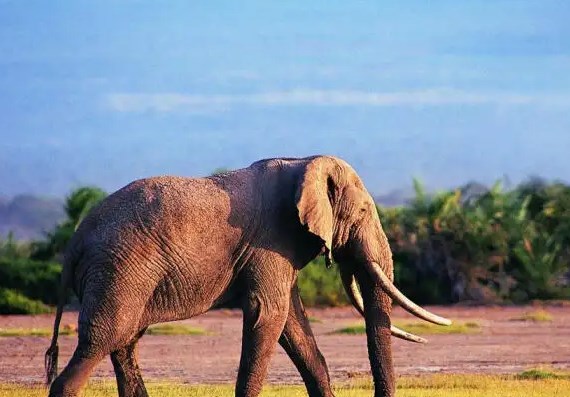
column 298, row 341
column 265, row 312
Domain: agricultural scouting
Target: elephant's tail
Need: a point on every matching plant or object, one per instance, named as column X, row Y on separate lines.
column 52, row 352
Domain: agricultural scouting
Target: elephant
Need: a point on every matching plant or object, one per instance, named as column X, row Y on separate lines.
column 168, row 248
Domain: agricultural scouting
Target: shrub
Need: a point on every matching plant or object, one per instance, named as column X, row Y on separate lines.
column 539, row 373
column 494, row 245
column 320, row 286
column 35, row 279
column 13, row 302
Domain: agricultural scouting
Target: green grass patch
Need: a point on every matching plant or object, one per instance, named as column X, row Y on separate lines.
column 536, row 316
column 175, row 329
column 540, row 373
column 42, row 332
column 315, row 320
column 355, row 329
column 419, row 327
column 409, row 386
column 424, row 328
column 162, row 329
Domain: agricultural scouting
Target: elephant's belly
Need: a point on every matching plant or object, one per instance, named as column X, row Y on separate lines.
column 181, row 296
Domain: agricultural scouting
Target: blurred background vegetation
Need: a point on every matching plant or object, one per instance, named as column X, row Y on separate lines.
column 472, row 244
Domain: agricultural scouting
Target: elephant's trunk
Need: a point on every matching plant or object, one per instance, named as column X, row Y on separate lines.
column 351, row 287
column 374, row 246
column 377, row 307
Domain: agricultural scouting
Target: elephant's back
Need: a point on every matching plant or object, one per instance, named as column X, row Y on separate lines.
column 165, row 203
column 186, row 229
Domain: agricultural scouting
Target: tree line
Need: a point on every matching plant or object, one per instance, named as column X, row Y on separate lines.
column 477, row 244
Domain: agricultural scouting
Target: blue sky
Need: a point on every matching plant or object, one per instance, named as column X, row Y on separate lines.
column 106, row 92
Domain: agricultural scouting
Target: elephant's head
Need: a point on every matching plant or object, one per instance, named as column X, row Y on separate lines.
column 334, row 205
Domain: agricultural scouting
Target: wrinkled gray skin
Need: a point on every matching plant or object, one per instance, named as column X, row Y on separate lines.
column 169, row 248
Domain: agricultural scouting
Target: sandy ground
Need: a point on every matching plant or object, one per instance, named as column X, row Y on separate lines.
column 502, row 346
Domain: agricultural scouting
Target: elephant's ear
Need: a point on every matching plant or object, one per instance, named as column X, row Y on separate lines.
column 313, row 201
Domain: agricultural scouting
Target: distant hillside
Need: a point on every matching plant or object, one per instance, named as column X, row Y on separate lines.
column 394, row 198
column 28, row 217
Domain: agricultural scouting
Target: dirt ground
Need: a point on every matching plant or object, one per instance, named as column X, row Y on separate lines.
column 502, row 346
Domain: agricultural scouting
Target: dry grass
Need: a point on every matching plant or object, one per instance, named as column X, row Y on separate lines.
column 41, row 332
column 536, row 316
column 162, row 329
column 556, row 384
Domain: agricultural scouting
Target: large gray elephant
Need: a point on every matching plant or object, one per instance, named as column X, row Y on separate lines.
column 170, row 248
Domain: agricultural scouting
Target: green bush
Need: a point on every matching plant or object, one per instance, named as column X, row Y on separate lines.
column 10, row 248
column 25, row 285
column 13, row 302
column 34, row 279
column 495, row 245
column 320, row 286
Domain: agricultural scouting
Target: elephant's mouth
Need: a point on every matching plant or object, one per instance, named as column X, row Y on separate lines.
column 353, row 292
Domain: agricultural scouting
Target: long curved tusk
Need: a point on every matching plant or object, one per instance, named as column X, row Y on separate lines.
column 349, row 282
column 351, row 287
column 396, row 295
column 398, row 333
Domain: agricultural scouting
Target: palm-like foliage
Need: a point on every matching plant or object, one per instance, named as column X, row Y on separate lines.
column 77, row 206
column 492, row 246
column 11, row 249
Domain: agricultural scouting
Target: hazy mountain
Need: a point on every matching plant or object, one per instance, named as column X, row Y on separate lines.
column 394, row 198
column 28, row 217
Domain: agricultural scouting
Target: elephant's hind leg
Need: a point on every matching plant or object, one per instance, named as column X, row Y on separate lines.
column 103, row 327
column 73, row 378
column 298, row 341
column 127, row 371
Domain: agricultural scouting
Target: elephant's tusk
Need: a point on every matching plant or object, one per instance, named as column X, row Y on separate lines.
column 349, row 282
column 398, row 333
column 399, row 297
column 351, row 287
